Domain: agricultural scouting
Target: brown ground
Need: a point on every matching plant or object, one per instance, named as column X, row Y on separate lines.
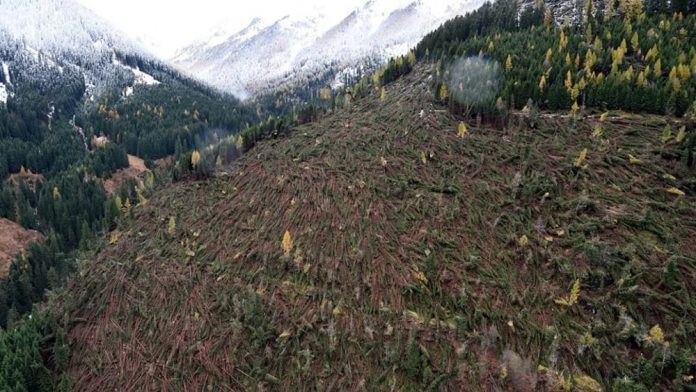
column 14, row 239
column 137, row 167
column 164, row 161
column 30, row 179
column 419, row 260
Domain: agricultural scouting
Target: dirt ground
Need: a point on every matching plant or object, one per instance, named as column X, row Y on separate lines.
column 14, row 239
column 30, row 179
column 137, row 167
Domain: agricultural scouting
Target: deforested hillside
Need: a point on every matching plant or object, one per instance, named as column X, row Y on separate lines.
column 85, row 116
column 393, row 245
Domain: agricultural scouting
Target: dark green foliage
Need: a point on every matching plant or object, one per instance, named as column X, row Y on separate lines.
column 48, row 126
column 44, row 267
column 152, row 121
column 32, row 353
column 107, row 160
column 489, row 19
column 495, row 40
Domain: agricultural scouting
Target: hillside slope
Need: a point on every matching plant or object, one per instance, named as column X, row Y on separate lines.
column 14, row 240
column 416, row 259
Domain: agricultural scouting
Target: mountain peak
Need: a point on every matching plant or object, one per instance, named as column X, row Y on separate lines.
column 268, row 54
column 61, row 26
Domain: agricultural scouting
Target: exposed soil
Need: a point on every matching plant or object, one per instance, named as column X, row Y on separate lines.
column 135, row 169
column 30, row 179
column 14, row 239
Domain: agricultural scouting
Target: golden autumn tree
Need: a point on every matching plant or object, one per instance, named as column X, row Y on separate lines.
column 411, row 57
column 195, row 159
column 462, row 130
column 568, row 83
column 631, row 8
column 549, row 56
column 287, row 243
column 444, row 94
column 542, row 83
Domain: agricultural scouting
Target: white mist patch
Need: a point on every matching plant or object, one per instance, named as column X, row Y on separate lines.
column 474, row 81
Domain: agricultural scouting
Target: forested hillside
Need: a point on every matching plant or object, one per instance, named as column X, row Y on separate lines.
column 67, row 124
column 636, row 61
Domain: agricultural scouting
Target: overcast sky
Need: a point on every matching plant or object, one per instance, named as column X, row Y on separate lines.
column 166, row 25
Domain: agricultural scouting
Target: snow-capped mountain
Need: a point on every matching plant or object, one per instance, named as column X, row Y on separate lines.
column 268, row 54
column 61, row 42
column 59, row 26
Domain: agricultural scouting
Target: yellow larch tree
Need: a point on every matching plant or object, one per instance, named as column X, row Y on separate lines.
column 444, row 94
column 462, row 130
column 195, row 159
column 287, row 243
column 542, row 83
column 568, row 81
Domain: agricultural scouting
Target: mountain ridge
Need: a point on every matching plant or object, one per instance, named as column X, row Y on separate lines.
column 370, row 34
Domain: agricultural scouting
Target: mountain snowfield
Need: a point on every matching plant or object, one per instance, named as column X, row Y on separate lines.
column 268, row 53
column 3, row 93
column 271, row 53
column 41, row 37
column 5, row 78
column 58, row 26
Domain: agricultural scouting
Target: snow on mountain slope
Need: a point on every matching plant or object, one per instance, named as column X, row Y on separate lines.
column 233, row 61
column 564, row 11
column 350, row 39
column 3, row 94
column 265, row 55
column 141, row 78
column 5, row 80
column 60, row 26
column 49, row 37
column 6, row 73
